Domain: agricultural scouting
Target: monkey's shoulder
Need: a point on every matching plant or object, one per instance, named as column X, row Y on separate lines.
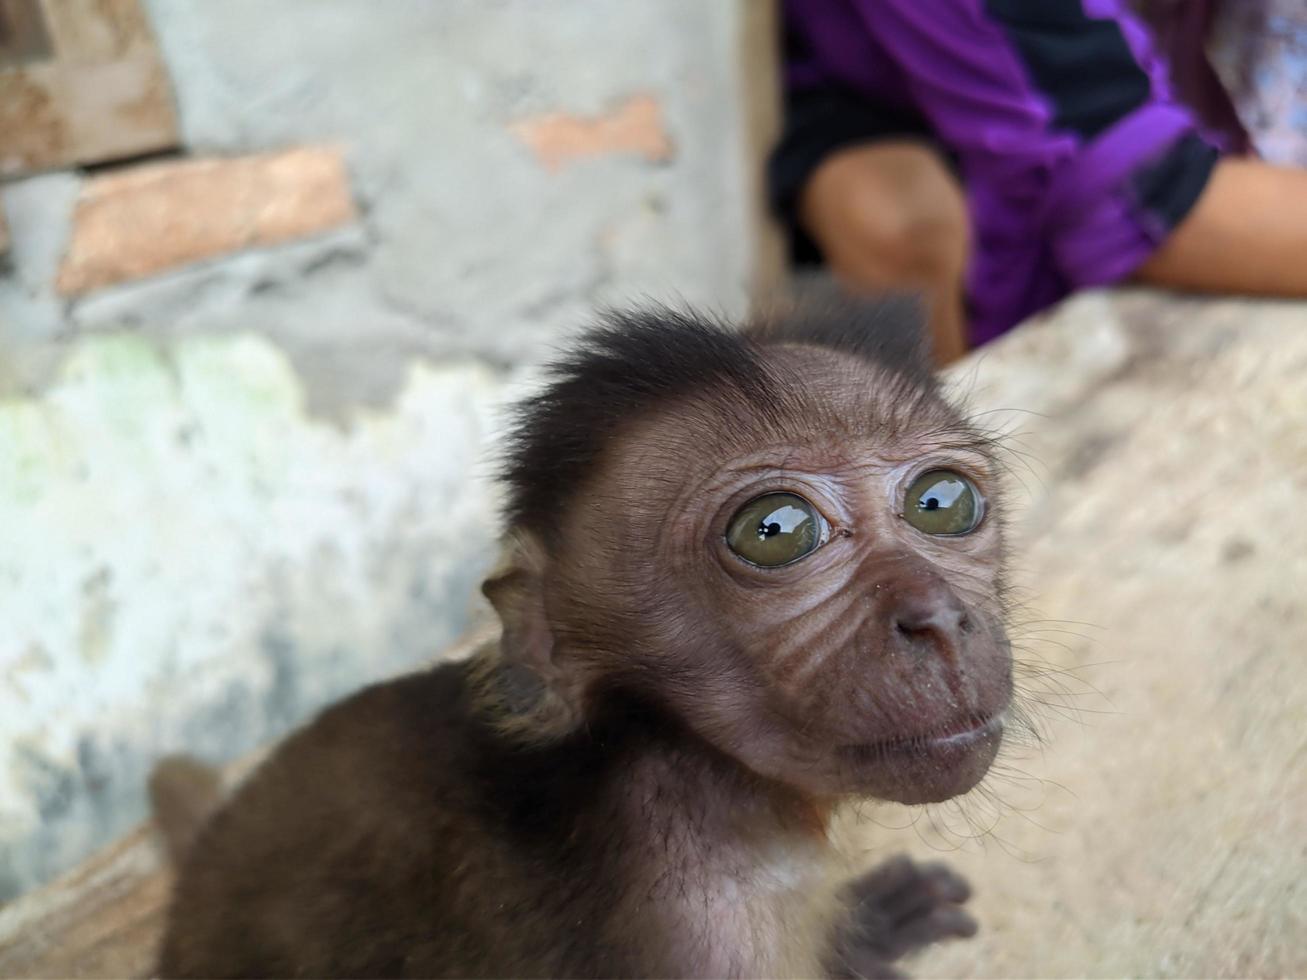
column 426, row 741
column 389, row 749
column 362, row 838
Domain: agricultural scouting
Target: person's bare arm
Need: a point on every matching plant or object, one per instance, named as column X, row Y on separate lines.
column 1247, row 234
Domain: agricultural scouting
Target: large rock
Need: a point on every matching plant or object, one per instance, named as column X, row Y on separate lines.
column 1162, row 543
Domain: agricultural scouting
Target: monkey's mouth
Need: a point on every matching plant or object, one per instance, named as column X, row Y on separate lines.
column 961, row 735
column 932, row 766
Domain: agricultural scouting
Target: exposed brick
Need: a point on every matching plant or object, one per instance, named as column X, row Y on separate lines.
column 635, row 127
column 139, row 221
column 96, row 89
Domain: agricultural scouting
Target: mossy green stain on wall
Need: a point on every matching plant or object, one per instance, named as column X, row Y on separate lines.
column 165, row 508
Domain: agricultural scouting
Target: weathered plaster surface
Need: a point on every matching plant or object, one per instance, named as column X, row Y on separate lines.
column 190, row 561
column 238, row 487
column 468, row 242
column 475, row 244
column 38, row 211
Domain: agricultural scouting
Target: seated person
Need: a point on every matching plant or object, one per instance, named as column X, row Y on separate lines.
column 999, row 154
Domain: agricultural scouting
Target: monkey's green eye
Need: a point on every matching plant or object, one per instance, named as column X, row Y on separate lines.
column 775, row 529
column 943, row 502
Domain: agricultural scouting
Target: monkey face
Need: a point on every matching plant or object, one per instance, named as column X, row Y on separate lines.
column 872, row 619
column 814, row 591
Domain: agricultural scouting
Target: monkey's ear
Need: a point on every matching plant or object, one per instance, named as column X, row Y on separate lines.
column 530, row 694
column 516, row 590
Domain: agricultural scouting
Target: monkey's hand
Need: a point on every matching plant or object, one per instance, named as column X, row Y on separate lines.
column 896, row 908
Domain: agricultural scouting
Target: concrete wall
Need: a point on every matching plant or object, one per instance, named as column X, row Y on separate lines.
column 240, row 476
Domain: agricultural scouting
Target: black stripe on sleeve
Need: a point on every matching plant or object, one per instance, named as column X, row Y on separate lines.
column 1170, row 186
column 1083, row 66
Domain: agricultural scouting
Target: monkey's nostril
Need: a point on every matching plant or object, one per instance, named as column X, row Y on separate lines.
column 941, row 618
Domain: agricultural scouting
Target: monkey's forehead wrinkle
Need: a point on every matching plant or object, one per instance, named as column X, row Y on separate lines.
column 811, row 382
column 830, row 410
column 723, row 388
column 708, row 464
column 840, row 400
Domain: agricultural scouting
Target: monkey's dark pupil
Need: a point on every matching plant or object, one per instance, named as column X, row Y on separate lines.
column 774, row 529
column 930, row 503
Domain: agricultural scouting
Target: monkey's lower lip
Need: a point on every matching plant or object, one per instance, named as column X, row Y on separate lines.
column 937, row 746
column 925, row 768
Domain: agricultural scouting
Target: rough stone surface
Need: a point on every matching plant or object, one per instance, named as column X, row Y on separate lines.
column 191, row 561
column 137, row 221
column 1160, row 458
column 105, row 919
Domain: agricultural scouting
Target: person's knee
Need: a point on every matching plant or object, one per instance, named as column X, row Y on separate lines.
column 894, row 215
column 926, row 233
column 917, row 230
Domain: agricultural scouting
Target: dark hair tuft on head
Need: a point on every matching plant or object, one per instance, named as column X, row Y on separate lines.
column 632, row 362
column 888, row 331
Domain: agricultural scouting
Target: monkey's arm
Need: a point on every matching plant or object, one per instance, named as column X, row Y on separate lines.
column 896, row 908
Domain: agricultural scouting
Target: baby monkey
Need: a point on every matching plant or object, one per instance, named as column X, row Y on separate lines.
column 750, row 575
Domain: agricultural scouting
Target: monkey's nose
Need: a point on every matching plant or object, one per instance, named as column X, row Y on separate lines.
column 928, row 616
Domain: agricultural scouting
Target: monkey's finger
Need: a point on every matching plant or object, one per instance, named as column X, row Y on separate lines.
column 885, row 879
column 930, row 886
column 946, row 883
column 944, row 922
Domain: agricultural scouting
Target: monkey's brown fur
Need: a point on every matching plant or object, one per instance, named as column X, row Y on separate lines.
column 637, row 779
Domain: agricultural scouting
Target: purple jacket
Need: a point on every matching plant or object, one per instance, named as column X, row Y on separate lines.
column 1076, row 158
